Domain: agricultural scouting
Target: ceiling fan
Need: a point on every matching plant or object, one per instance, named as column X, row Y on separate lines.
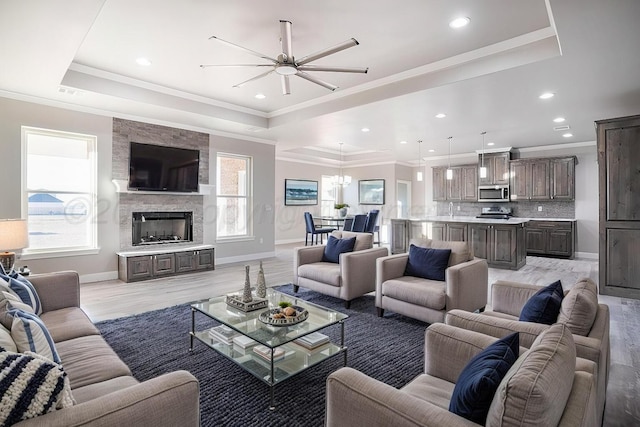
column 286, row 65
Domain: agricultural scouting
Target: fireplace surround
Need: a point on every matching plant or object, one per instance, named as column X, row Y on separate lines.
column 156, row 228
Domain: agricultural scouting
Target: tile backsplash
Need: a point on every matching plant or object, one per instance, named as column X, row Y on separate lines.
column 528, row 209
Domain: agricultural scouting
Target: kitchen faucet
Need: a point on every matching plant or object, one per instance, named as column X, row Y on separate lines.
column 451, row 209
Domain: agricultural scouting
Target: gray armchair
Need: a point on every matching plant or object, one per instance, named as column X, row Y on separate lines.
column 465, row 285
column 353, row 276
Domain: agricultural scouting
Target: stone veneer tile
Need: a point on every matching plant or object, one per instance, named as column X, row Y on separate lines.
column 125, row 131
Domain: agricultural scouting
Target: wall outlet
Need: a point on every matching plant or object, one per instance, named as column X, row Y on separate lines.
column 539, row 208
column 458, row 207
column 261, row 240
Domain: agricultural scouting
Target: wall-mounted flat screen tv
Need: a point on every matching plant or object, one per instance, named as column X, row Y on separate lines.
column 158, row 168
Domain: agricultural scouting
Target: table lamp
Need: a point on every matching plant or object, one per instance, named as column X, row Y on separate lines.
column 13, row 236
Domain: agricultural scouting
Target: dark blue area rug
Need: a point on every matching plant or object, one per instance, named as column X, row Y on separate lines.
column 389, row 349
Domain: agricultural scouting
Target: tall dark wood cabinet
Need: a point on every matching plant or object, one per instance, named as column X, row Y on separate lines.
column 619, row 185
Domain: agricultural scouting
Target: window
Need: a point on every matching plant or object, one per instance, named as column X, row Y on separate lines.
column 59, row 190
column 328, row 197
column 233, row 196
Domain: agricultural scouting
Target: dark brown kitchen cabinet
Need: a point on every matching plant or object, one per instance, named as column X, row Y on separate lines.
column 399, row 236
column 542, row 179
column 497, row 165
column 438, row 231
column 551, row 238
column 164, row 264
column 462, row 186
column 456, row 231
column 619, row 193
column 502, row 245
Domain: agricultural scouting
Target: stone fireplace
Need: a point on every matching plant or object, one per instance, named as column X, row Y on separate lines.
column 155, row 228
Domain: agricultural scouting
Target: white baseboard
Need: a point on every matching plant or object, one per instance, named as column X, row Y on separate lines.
column 99, row 277
column 587, row 255
column 242, row 258
column 288, row 241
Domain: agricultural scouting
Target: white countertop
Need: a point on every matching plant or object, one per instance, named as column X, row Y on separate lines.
column 473, row 219
column 163, row 249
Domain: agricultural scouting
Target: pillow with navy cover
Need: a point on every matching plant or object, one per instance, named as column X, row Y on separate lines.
column 544, row 305
column 479, row 380
column 427, row 263
column 337, row 246
column 22, row 288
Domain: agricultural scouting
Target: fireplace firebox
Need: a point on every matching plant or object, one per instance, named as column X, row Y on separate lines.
column 153, row 228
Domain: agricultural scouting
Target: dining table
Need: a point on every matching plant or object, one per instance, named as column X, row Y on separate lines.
column 337, row 221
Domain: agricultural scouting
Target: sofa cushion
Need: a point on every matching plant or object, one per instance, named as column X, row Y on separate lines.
column 30, row 334
column 415, row 290
column 544, row 305
column 323, row 272
column 31, row 386
column 94, row 391
column 363, row 240
column 480, row 378
column 68, row 323
column 335, row 247
column 23, row 289
column 536, row 389
column 431, row 389
column 89, row 360
column 427, row 263
column 579, row 307
column 460, row 251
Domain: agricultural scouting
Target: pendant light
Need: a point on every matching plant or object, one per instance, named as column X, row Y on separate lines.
column 449, row 170
column 419, row 174
column 483, row 170
column 343, row 180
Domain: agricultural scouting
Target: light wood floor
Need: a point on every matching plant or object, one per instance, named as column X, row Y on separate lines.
column 112, row 299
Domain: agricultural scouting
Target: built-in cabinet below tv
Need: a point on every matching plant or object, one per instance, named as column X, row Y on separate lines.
column 165, row 261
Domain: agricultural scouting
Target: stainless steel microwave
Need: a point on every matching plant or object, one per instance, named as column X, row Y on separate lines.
column 493, row 193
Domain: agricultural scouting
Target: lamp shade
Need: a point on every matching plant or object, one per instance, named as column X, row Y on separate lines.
column 13, row 234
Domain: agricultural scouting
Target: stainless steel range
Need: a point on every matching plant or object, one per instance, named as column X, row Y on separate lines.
column 495, row 212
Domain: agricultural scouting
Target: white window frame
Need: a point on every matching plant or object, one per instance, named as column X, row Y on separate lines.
column 327, row 182
column 248, row 235
column 91, row 196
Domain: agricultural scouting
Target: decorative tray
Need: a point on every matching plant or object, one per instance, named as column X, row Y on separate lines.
column 267, row 316
column 235, row 301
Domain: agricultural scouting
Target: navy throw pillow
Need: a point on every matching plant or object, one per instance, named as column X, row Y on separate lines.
column 479, row 380
column 427, row 263
column 544, row 305
column 337, row 246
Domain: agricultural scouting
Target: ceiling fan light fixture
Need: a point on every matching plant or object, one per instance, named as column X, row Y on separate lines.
column 286, row 69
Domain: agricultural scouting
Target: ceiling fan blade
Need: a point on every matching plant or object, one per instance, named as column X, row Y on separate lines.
column 286, row 89
column 337, row 69
column 326, row 52
column 259, row 76
column 235, row 65
column 285, row 40
column 316, row 81
column 252, row 52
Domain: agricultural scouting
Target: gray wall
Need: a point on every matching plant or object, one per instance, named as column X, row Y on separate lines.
column 13, row 115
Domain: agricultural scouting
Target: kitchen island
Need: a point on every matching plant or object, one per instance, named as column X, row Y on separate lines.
column 500, row 241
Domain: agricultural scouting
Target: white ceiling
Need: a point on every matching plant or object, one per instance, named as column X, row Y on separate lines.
column 485, row 77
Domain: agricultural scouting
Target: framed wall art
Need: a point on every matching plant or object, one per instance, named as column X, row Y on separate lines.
column 300, row 192
column 371, row 192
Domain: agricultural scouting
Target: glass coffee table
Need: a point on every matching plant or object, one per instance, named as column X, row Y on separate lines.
column 291, row 356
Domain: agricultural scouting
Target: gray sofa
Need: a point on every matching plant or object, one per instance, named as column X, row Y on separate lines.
column 588, row 320
column 352, row 277
column 105, row 392
column 465, row 285
column 547, row 386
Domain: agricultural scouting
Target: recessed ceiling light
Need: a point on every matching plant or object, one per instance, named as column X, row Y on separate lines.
column 260, row 96
column 432, row 150
column 547, row 95
column 567, row 135
column 145, row 62
column 365, row 129
column 559, row 119
column 490, row 143
column 441, row 115
column 459, row 22
column 403, row 142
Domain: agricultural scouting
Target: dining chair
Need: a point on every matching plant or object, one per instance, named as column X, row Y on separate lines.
column 359, row 223
column 348, row 224
column 313, row 230
column 371, row 225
